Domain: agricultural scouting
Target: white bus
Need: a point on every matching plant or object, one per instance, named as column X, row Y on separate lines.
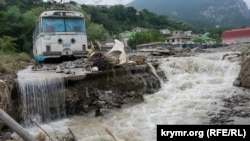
column 60, row 33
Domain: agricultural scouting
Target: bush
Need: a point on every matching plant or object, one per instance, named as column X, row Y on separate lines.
column 12, row 62
column 24, row 57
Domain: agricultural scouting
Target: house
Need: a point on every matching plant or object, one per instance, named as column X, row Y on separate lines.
column 177, row 39
column 188, row 33
column 140, row 29
column 165, row 31
column 176, row 32
column 236, row 36
column 151, row 47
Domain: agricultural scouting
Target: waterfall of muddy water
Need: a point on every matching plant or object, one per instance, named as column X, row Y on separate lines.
column 195, row 88
column 42, row 96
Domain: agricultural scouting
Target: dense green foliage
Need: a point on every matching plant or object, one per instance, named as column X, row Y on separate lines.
column 17, row 20
column 7, row 43
column 145, row 37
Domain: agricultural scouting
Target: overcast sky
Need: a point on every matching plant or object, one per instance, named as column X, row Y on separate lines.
column 113, row 2
column 248, row 3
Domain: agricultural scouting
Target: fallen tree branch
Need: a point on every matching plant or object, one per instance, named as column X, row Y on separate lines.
column 72, row 134
column 40, row 128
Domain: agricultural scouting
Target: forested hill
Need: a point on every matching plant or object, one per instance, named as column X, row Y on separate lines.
column 17, row 20
column 201, row 13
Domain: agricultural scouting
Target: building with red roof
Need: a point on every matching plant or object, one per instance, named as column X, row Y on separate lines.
column 236, row 36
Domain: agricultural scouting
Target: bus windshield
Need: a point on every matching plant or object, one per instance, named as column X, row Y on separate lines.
column 52, row 24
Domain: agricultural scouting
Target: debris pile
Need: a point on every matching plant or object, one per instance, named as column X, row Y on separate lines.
column 97, row 61
column 235, row 106
column 138, row 59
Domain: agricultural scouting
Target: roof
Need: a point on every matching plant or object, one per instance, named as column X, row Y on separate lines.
column 129, row 34
column 150, row 44
column 206, row 38
column 236, row 33
column 61, row 13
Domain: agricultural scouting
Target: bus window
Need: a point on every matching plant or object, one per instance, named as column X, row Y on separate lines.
column 53, row 25
column 63, row 25
column 74, row 25
column 50, row 29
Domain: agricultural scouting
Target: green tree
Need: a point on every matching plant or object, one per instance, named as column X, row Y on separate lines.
column 96, row 32
column 12, row 22
column 7, row 44
column 87, row 16
column 145, row 37
column 30, row 17
column 198, row 40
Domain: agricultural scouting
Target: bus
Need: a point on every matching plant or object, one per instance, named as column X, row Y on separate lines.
column 59, row 33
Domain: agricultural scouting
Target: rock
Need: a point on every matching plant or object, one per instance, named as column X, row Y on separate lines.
column 72, row 66
column 7, row 136
column 100, row 103
column 237, row 82
column 2, row 82
column 67, row 71
column 44, row 68
column 132, row 93
column 68, row 139
column 198, row 50
column 244, row 75
column 131, row 62
column 98, row 112
column 86, row 106
column 139, row 59
column 59, row 70
column 95, row 69
column 108, row 92
column 37, row 66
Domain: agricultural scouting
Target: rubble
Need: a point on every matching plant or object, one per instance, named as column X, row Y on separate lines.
column 235, row 106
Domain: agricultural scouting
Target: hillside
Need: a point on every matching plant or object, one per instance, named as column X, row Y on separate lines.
column 201, row 13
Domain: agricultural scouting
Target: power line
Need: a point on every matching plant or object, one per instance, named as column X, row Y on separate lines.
column 26, row 32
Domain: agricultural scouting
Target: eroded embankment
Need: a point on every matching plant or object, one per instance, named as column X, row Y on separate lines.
column 110, row 89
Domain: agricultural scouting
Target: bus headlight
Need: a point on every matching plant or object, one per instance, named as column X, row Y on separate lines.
column 73, row 40
column 59, row 41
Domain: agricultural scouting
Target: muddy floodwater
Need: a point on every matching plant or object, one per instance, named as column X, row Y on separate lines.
column 195, row 88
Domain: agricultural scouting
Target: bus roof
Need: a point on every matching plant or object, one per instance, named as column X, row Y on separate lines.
column 61, row 13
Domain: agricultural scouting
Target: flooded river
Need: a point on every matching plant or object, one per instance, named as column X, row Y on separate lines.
column 194, row 90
